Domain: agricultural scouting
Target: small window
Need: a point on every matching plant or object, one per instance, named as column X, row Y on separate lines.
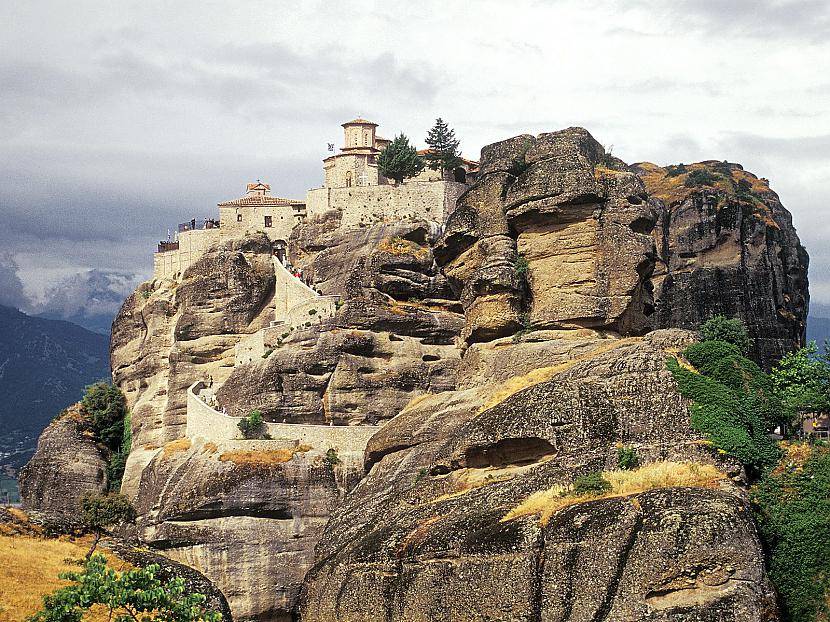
column 239, row 218
column 268, row 222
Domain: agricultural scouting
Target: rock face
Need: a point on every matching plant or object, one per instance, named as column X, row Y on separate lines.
column 247, row 518
column 555, row 233
column 727, row 246
column 169, row 335
column 426, row 535
column 67, row 465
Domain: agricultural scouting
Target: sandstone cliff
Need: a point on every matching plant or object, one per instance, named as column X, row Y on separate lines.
column 500, row 355
column 67, row 464
column 727, row 246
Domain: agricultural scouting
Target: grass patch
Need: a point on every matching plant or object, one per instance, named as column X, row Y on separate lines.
column 29, row 569
column 181, row 444
column 272, row 456
column 401, row 247
column 545, row 503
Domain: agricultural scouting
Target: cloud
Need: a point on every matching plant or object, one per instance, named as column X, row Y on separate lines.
column 11, row 288
column 759, row 19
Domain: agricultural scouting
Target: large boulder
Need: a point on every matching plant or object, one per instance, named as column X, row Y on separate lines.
column 726, row 245
column 246, row 514
column 68, row 464
column 554, row 234
column 436, row 530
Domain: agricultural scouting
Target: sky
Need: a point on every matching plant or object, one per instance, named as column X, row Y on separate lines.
column 120, row 119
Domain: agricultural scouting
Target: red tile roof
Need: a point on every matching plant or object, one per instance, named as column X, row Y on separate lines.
column 359, row 121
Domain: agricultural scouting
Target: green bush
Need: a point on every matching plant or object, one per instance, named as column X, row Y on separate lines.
column 331, row 457
column 792, row 509
column 626, row 458
column 252, row 426
column 591, row 484
column 521, row 266
column 700, row 177
column 721, row 328
column 674, row 170
column 118, row 459
column 100, row 512
column 802, row 379
column 733, row 402
column 105, row 408
column 130, row 596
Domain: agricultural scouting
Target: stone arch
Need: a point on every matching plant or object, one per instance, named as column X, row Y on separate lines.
column 348, row 179
column 459, row 175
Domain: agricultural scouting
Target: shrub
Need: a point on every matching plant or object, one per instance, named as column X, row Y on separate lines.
column 720, row 328
column 312, row 311
column 118, row 459
column 105, row 409
column 593, row 484
column 700, row 177
column 626, row 458
column 268, row 352
column 331, row 457
column 733, row 401
column 792, row 508
column 252, row 426
column 133, row 595
column 675, row 170
column 521, row 266
column 802, row 379
column 744, row 186
column 100, row 512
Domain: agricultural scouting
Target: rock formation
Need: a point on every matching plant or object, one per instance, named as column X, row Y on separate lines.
column 554, row 234
column 67, row 464
column 501, row 355
column 727, row 246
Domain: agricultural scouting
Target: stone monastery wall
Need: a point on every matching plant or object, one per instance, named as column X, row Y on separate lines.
column 205, row 422
column 365, row 205
column 283, row 219
column 192, row 245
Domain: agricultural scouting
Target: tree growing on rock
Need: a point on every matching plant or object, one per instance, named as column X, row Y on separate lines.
column 100, row 512
column 721, row 328
column 130, row 596
column 443, row 151
column 400, row 160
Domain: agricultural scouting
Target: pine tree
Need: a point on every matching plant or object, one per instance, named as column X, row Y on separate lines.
column 400, row 160
column 443, row 151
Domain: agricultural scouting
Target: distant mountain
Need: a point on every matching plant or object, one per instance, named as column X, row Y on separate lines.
column 818, row 329
column 90, row 299
column 44, row 366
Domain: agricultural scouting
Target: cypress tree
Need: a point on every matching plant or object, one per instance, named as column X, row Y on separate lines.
column 443, row 154
column 400, row 160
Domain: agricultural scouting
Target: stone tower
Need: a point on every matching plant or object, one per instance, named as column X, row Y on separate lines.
column 356, row 164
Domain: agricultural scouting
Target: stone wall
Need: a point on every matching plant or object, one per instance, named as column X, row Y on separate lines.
column 289, row 291
column 367, row 205
column 205, row 422
column 315, row 310
column 192, row 245
column 283, row 219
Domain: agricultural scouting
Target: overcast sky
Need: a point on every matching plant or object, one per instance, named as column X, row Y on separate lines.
column 121, row 119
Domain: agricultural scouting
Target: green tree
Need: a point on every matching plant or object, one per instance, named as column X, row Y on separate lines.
column 105, row 408
column 802, row 380
column 721, row 328
column 400, row 160
column 253, row 425
column 132, row 596
column 443, row 151
column 100, row 512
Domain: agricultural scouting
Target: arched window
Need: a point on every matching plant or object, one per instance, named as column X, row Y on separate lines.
column 348, row 179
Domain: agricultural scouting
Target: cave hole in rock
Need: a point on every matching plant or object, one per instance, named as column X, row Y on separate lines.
column 642, row 225
column 508, row 451
column 430, row 358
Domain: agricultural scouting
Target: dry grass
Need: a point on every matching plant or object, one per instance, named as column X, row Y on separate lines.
column 542, row 374
column 211, row 447
column 416, row 400
column 462, row 481
column 417, row 535
column 182, row 444
column 29, row 569
column 399, row 246
column 667, row 474
column 273, row 456
column 797, row 455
